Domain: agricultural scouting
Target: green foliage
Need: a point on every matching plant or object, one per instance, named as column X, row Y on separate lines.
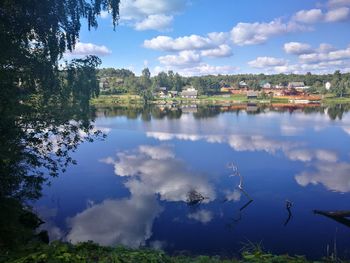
column 90, row 252
column 211, row 85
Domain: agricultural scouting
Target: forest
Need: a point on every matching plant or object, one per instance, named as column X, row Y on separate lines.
column 122, row 81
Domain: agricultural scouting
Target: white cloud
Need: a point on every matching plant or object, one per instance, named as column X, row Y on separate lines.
column 221, row 51
column 324, row 55
column 263, row 62
column 161, row 152
column 335, row 177
column 313, row 16
column 309, row 16
column 158, row 22
column 336, row 15
column 338, row 3
column 206, row 69
column 83, row 49
column 169, row 177
column 203, row 216
column 150, row 14
column 234, row 195
column 297, row 48
column 257, row 33
column 309, row 155
column 126, row 221
column 184, row 58
column 192, row 42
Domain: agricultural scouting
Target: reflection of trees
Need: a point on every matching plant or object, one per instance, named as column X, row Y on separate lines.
column 37, row 135
column 148, row 112
column 207, row 112
column 337, row 111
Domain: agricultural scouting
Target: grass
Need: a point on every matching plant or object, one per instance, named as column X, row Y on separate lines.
column 332, row 99
column 112, row 100
column 91, row 252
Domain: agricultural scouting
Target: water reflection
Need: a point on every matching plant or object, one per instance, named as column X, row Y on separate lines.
column 171, row 181
column 334, row 176
column 342, row 217
column 128, row 221
column 154, row 169
column 289, row 205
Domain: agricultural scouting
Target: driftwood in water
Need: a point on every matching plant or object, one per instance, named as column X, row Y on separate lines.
column 339, row 216
column 289, row 205
column 194, row 198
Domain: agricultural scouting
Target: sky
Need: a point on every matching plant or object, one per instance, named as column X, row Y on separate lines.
column 201, row 37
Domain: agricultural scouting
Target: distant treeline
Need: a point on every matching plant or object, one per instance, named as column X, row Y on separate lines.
column 117, row 81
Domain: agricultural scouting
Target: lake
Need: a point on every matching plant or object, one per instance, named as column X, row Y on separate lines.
column 208, row 180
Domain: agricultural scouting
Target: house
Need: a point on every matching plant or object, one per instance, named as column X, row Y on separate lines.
column 265, row 85
column 163, row 94
column 328, row 85
column 242, row 84
column 190, row 93
column 163, row 88
column 252, row 94
column 172, row 94
column 297, row 85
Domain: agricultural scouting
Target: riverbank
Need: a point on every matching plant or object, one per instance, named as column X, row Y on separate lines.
column 113, row 100
column 90, row 252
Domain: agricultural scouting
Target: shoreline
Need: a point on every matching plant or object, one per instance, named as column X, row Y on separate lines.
column 133, row 100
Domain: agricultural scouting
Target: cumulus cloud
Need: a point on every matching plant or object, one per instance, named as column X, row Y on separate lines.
column 313, row 16
column 127, row 221
column 336, row 15
column 258, row 33
column 203, row 216
column 184, row 58
column 305, row 155
column 297, row 48
column 338, row 3
column 158, row 22
column 323, row 55
column 262, row 62
column 335, row 177
column 159, row 172
column 161, row 152
column 83, row 49
column 309, row 16
column 221, row 51
column 234, row 195
column 192, row 42
column 150, row 15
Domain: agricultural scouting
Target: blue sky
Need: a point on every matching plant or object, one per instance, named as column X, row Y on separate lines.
column 199, row 37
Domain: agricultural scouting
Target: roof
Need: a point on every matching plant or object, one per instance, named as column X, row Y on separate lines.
column 189, row 93
column 252, row 93
column 297, row 84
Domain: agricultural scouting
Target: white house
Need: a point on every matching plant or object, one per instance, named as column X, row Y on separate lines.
column 328, row 85
column 190, row 93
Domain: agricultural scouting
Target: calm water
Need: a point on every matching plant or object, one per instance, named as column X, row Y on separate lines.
column 133, row 187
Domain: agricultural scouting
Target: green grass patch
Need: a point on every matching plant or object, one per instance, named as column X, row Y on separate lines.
column 110, row 100
column 91, row 252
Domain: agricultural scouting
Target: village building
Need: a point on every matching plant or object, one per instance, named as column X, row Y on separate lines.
column 252, row 94
column 297, row 85
column 190, row 93
column 327, row 85
column 172, row 94
column 265, row 85
column 242, row 84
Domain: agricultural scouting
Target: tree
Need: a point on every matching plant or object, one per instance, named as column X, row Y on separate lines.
column 38, row 101
column 146, row 79
column 35, row 34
